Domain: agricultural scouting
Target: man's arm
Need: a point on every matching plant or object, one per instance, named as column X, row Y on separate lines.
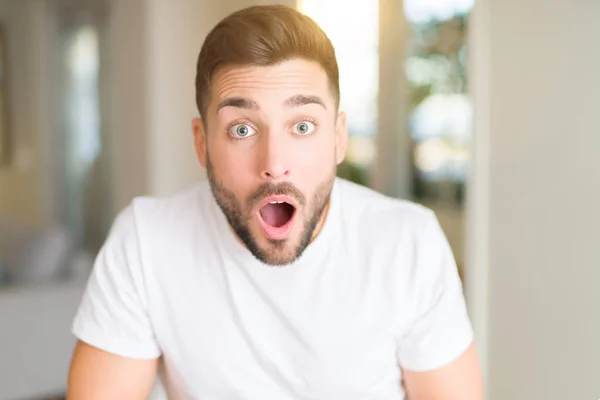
column 116, row 356
column 459, row 380
column 99, row 375
column 435, row 347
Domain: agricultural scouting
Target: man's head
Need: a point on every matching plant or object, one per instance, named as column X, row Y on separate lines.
column 270, row 134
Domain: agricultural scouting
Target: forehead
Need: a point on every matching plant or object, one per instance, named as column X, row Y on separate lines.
column 279, row 80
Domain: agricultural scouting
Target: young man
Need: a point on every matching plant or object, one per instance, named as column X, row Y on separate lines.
column 274, row 279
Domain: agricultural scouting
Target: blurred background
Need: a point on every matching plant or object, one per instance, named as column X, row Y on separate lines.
column 486, row 111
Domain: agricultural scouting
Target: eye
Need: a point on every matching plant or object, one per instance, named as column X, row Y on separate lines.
column 241, row 131
column 304, row 128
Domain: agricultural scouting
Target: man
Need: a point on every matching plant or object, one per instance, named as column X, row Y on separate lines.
column 273, row 280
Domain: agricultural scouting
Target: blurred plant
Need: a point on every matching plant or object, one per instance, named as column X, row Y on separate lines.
column 436, row 72
column 352, row 172
column 438, row 58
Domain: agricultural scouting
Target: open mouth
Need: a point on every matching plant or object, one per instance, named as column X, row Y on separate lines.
column 276, row 216
column 277, row 213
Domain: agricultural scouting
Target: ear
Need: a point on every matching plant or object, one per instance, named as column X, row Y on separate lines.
column 341, row 137
column 199, row 140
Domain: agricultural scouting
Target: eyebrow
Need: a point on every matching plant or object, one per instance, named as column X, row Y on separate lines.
column 302, row 100
column 239, row 102
column 298, row 100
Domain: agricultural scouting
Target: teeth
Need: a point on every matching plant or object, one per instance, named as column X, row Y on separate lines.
column 276, row 202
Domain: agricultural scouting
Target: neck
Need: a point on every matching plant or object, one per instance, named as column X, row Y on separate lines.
column 321, row 221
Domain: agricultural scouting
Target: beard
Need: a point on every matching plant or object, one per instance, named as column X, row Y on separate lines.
column 239, row 216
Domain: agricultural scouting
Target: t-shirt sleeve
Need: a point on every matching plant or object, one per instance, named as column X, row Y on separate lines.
column 438, row 330
column 113, row 314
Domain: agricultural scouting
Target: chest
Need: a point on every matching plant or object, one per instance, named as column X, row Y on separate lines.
column 228, row 333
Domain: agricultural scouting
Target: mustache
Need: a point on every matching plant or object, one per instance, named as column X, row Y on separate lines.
column 276, row 189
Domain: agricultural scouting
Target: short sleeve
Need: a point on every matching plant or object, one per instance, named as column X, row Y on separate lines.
column 113, row 315
column 438, row 330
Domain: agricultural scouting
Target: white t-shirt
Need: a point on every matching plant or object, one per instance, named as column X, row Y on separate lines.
column 376, row 290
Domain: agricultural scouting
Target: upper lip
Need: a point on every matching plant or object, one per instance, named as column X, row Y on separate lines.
column 283, row 198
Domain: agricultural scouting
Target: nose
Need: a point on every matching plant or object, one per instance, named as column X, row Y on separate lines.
column 274, row 157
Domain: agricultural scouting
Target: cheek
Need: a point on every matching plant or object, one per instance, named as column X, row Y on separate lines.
column 313, row 163
column 316, row 156
column 231, row 167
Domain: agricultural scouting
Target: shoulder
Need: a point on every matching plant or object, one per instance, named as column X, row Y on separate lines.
column 164, row 211
column 399, row 239
column 152, row 218
column 177, row 204
column 401, row 234
column 381, row 215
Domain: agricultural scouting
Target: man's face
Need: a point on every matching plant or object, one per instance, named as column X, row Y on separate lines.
column 271, row 141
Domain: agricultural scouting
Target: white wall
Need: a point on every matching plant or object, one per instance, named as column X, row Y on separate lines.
column 535, row 232
column 128, row 122
column 174, row 33
column 154, row 45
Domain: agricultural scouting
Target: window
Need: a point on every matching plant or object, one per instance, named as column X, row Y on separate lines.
column 358, row 55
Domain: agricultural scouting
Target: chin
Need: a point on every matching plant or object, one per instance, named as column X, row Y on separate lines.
column 276, row 253
column 279, row 260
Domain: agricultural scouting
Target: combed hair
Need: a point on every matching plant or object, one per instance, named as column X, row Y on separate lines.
column 264, row 36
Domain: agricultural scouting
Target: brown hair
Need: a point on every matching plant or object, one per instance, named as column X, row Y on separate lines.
column 263, row 35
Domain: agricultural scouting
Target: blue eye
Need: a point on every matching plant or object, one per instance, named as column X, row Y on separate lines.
column 240, row 131
column 304, row 128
